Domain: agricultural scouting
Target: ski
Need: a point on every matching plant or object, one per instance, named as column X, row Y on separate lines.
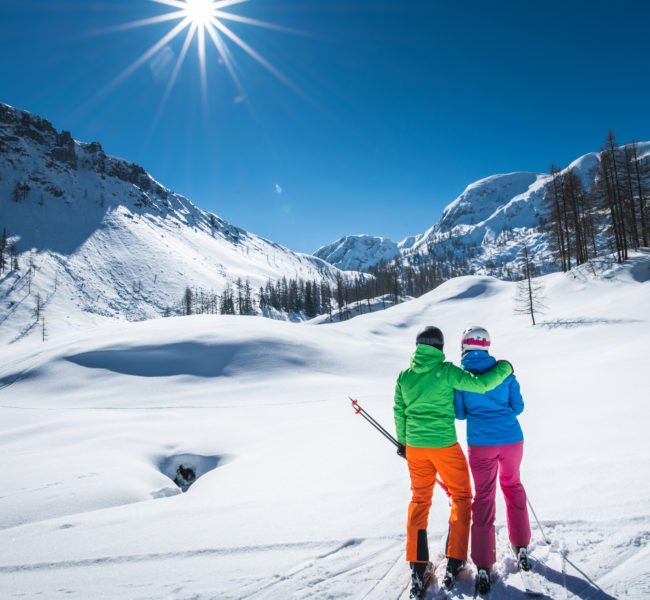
column 461, row 586
column 524, row 568
column 415, row 595
column 526, row 579
column 429, row 575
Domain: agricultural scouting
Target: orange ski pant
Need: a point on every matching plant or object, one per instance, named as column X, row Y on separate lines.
column 450, row 464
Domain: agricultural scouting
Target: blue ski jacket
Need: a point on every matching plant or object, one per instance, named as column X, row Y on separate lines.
column 492, row 416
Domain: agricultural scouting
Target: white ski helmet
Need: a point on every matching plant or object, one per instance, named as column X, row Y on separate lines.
column 475, row 338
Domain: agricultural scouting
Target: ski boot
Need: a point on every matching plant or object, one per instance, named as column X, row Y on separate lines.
column 453, row 566
column 483, row 581
column 419, row 572
column 521, row 552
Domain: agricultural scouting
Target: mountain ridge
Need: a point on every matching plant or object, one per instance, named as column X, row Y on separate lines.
column 486, row 226
column 98, row 237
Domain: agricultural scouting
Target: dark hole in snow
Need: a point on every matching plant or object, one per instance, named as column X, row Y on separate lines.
column 185, row 469
column 185, row 476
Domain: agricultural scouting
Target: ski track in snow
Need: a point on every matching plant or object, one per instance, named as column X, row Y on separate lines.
column 309, row 502
column 372, row 568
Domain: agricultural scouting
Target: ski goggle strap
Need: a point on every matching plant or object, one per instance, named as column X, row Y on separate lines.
column 475, row 342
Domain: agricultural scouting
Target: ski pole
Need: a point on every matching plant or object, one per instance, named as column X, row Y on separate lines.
column 536, row 519
column 361, row 411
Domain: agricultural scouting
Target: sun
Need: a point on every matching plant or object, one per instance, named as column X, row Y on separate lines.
column 203, row 20
column 200, row 12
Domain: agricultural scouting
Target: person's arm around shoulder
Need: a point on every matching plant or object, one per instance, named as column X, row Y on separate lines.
column 459, row 405
column 469, row 382
column 515, row 398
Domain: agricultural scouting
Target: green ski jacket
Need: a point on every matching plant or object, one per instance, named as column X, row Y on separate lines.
column 424, row 397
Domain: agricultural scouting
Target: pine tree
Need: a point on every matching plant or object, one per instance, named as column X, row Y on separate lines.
column 579, row 215
column 261, row 298
column 227, row 302
column 188, row 301
column 13, row 253
column 249, row 309
column 611, row 191
column 31, row 268
column 529, row 292
column 641, row 170
column 310, row 309
column 3, row 247
column 294, row 299
column 37, row 308
column 340, row 297
column 240, row 296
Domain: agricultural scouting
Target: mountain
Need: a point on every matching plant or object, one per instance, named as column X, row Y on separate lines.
column 99, row 238
column 358, row 252
column 485, row 228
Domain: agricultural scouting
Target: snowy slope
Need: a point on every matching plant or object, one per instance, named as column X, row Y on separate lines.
column 479, row 200
column 110, row 241
column 300, row 498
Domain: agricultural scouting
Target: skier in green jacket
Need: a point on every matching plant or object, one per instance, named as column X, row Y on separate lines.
column 426, row 430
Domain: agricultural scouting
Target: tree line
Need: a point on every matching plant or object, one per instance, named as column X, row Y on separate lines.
column 198, row 301
column 615, row 208
column 385, row 284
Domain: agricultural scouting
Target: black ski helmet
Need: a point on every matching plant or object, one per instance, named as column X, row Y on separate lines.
column 431, row 336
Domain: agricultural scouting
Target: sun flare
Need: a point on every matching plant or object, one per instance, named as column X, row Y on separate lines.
column 203, row 20
column 200, row 12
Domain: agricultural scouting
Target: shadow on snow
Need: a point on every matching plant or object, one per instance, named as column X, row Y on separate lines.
column 192, row 358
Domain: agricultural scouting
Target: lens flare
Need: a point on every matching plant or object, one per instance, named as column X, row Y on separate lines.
column 202, row 20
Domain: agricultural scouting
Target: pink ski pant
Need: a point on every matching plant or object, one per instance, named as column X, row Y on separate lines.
column 485, row 462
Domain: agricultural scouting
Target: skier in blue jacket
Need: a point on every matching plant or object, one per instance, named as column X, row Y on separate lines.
column 495, row 446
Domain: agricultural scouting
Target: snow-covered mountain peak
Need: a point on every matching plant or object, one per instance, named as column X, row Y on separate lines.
column 356, row 252
column 480, row 199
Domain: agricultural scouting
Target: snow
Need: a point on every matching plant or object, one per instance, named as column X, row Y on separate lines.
column 358, row 252
column 109, row 242
column 297, row 497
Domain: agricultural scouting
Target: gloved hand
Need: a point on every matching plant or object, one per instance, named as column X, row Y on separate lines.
column 401, row 450
column 507, row 362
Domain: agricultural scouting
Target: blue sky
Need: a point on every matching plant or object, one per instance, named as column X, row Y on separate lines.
column 395, row 107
